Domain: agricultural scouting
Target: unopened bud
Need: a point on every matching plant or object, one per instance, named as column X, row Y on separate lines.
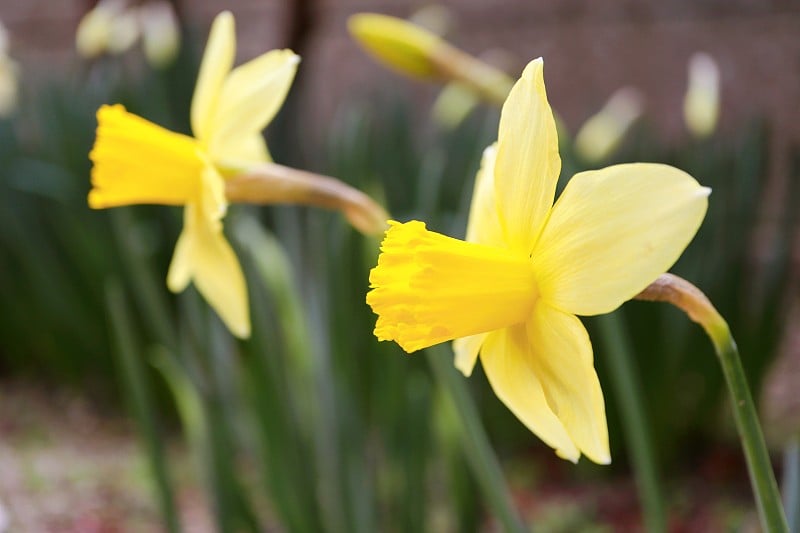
column 124, row 32
column 3, row 39
column 94, row 30
column 397, row 43
column 602, row 134
column 8, row 85
column 161, row 37
column 701, row 103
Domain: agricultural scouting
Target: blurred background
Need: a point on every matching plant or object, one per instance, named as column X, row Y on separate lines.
column 124, row 407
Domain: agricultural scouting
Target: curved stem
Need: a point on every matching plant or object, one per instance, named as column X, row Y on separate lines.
column 687, row 297
column 270, row 183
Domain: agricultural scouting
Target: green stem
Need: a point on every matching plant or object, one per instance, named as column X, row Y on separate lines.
column 791, row 484
column 616, row 344
column 762, row 478
column 687, row 297
column 477, row 448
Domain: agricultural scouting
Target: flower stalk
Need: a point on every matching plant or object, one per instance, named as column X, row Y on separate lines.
column 270, row 183
column 682, row 294
column 452, row 64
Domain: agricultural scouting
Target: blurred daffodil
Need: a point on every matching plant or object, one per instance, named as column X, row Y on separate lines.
column 602, row 134
column 512, row 290
column 109, row 27
column 701, row 103
column 9, row 77
column 137, row 162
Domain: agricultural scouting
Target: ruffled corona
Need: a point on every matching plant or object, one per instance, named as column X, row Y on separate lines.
column 138, row 162
column 429, row 288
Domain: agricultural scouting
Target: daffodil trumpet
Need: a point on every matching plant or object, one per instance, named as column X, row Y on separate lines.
column 511, row 291
column 691, row 300
column 270, row 183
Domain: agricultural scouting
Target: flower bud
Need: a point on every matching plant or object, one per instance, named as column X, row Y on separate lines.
column 397, row 43
column 602, row 134
column 701, row 103
column 161, row 36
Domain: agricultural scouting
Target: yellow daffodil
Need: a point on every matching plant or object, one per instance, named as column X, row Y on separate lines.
column 137, row 162
column 512, row 291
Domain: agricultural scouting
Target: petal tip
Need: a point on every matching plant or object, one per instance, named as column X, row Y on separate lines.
column 572, row 455
column 534, row 68
column 241, row 331
column 464, row 368
column 224, row 17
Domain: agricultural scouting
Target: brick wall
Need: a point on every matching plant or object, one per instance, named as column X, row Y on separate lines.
column 590, row 48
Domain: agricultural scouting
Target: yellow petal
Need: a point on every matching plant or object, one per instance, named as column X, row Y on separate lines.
column 562, row 360
column 612, row 232
column 429, row 288
column 242, row 155
column 483, row 226
column 466, row 350
column 528, row 163
column 204, row 255
column 250, row 98
column 507, row 358
column 138, row 162
column 180, row 268
column 217, row 62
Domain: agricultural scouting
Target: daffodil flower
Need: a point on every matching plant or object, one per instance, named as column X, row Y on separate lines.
column 138, row 162
column 512, row 291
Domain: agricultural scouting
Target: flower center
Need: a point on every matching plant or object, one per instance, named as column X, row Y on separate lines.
column 429, row 288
